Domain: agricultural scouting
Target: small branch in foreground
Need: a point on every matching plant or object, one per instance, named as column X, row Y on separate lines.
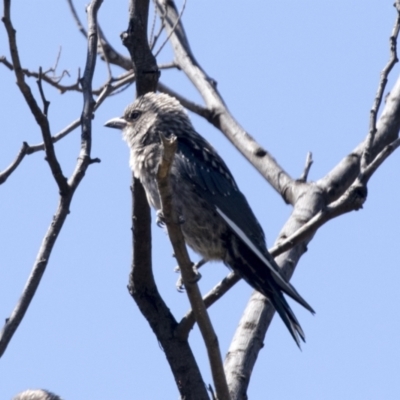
column 189, row 278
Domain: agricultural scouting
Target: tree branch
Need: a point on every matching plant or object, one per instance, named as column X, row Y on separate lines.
column 13, row 166
column 41, row 118
column 135, row 40
column 365, row 159
column 308, row 198
column 84, row 161
column 141, row 284
column 344, row 188
column 307, row 166
column 219, row 115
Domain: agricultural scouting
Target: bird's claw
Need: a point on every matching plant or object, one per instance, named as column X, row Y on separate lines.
column 161, row 219
column 180, row 286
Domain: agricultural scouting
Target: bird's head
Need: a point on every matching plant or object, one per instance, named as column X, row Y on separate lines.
column 148, row 116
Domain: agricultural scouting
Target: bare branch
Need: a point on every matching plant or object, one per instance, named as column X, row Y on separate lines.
column 46, row 103
column 153, row 40
column 189, row 278
column 220, row 117
column 84, row 161
column 171, row 31
column 105, row 53
column 27, row 149
column 141, row 284
column 378, row 160
column 153, row 26
column 40, row 117
column 309, row 162
column 81, row 28
column 13, row 166
column 342, row 190
column 135, row 40
column 365, row 159
column 4, row 61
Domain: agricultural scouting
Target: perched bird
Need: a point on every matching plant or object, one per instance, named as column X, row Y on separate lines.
column 217, row 221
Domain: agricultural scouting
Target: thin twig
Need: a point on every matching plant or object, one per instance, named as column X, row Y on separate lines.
column 309, row 162
column 76, row 18
column 211, row 390
column 105, row 54
column 351, row 200
column 40, row 117
column 13, row 166
column 153, row 42
column 172, row 30
column 219, row 115
column 365, row 159
column 153, row 26
column 4, row 61
column 84, row 159
column 27, row 149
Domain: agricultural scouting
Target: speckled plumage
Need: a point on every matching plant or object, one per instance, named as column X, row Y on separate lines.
column 217, row 221
column 37, row 394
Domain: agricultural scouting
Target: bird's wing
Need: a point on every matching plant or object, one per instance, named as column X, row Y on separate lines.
column 197, row 161
column 213, row 181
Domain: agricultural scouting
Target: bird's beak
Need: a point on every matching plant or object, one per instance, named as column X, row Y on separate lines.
column 117, row 123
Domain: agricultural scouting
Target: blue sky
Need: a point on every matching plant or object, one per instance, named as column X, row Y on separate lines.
column 299, row 77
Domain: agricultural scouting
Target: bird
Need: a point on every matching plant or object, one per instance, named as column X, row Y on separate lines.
column 216, row 219
column 38, row 394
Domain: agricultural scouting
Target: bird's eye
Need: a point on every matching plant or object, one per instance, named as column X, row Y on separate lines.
column 134, row 115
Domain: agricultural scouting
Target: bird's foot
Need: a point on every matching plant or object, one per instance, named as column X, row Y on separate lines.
column 161, row 219
column 180, row 287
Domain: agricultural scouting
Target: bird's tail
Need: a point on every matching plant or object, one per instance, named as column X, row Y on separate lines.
column 288, row 317
column 259, row 269
column 259, row 277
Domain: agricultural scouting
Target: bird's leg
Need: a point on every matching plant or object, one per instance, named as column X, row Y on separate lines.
column 180, row 287
column 161, row 219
